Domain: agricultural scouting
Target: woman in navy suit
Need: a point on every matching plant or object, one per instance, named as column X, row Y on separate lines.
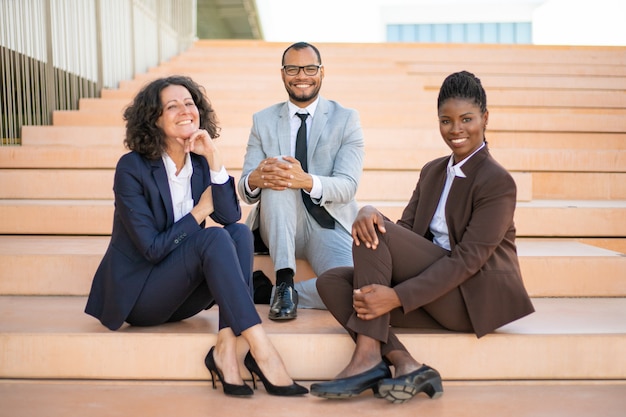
column 449, row 263
column 162, row 264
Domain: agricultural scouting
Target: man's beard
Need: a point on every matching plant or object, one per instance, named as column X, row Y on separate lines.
column 303, row 98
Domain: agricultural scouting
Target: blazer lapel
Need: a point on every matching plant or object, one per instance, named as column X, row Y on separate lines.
column 283, row 131
column 317, row 127
column 459, row 189
column 160, row 178
column 197, row 185
column 430, row 193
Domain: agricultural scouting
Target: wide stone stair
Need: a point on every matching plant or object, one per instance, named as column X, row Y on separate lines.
column 557, row 122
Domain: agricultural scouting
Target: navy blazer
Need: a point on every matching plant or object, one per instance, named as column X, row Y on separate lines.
column 144, row 232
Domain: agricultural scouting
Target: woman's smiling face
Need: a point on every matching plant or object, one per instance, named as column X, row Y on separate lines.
column 180, row 117
column 462, row 126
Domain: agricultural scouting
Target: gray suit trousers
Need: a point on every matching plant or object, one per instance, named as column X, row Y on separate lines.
column 291, row 233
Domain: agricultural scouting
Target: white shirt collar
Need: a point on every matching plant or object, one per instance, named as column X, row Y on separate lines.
column 456, row 169
column 170, row 167
column 293, row 109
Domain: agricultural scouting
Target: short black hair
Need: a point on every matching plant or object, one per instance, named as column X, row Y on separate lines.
column 302, row 45
column 142, row 133
column 465, row 85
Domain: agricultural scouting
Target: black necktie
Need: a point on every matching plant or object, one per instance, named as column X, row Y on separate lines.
column 321, row 216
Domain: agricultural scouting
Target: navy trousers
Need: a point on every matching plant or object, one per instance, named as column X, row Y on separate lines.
column 213, row 266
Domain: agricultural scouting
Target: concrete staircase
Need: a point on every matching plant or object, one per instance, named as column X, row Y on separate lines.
column 557, row 122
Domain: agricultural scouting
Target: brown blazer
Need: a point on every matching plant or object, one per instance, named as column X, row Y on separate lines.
column 483, row 260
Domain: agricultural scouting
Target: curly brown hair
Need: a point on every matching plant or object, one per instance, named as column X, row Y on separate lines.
column 142, row 133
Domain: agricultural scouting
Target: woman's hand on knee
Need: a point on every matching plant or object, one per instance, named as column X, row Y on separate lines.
column 364, row 227
column 374, row 300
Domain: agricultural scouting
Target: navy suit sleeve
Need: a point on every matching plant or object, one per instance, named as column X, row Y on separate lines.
column 225, row 203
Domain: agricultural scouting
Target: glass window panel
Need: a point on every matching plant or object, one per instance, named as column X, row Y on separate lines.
column 490, row 33
column 506, row 33
column 523, row 33
column 393, row 33
column 408, row 33
column 440, row 32
column 473, row 33
column 457, row 33
column 424, row 33
column 462, row 32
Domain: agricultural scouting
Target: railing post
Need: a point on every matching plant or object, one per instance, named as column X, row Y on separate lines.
column 99, row 53
column 50, row 87
column 133, row 37
column 159, row 5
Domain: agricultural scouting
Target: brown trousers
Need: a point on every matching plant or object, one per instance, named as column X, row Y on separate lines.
column 400, row 255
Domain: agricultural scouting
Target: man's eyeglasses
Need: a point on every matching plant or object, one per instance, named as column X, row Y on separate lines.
column 295, row 70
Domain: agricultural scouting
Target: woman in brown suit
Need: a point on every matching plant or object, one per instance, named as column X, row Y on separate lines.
column 449, row 263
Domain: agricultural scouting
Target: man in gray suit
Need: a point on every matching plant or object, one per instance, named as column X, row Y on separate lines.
column 303, row 163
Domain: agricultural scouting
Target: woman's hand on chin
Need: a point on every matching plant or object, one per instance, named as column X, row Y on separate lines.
column 201, row 143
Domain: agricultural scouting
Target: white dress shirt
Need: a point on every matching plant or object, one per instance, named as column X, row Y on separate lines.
column 438, row 225
column 180, row 185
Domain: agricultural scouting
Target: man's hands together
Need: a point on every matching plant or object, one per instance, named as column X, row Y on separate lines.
column 280, row 173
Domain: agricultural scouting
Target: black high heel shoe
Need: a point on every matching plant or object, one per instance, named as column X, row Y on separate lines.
column 403, row 388
column 229, row 389
column 283, row 390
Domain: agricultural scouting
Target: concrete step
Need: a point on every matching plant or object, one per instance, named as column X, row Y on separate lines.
column 578, row 338
column 562, row 82
column 194, row 399
column 536, row 97
column 64, row 265
column 539, row 55
column 377, row 157
column 498, row 98
column 391, row 138
column 372, row 66
column 266, row 86
column 372, row 118
column 60, row 156
column 559, row 160
column 537, row 218
column 517, row 61
column 268, row 89
column 36, row 174
column 423, row 76
column 426, row 78
column 504, row 76
column 542, row 120
column 97, row 184
column 555, row 218
column 86, row 184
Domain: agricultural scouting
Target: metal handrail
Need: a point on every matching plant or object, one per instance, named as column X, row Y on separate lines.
column 54, row 52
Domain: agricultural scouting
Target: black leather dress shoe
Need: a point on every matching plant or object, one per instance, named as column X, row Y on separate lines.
column 285, row 305
column 403, row 388
column 352, row 385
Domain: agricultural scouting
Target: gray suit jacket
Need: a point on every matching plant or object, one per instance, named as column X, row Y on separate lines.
column 335, row 154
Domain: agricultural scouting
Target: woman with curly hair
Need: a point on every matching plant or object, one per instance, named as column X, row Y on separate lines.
column 162, row 264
